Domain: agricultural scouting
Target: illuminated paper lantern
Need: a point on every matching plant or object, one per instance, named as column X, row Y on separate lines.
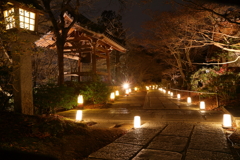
column 126, row 91
column 135, row 88
column 80, row 101
column 227, row 121
column 189, row 100
column 178, row 96
column 137, row 122
column 117, row 93
column 171, row 94
column 129, row 90
column 202, row 105
column 79, row 115
column 112, row 96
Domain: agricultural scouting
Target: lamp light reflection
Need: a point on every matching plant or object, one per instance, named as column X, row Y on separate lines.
column 79, row 115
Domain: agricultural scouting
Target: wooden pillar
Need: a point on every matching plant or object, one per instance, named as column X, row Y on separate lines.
column 108, row 66
column 79, row 67
column 94, row 60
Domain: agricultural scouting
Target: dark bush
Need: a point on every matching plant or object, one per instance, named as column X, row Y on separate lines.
column 96, row 92
column 49, row 98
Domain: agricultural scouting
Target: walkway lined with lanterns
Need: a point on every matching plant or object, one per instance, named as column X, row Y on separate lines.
column 170, row 129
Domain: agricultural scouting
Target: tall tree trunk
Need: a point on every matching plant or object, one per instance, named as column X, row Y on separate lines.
column 180, row 67
column 60, row 46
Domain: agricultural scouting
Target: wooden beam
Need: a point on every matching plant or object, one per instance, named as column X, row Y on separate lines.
column 102, row 49
column 108, row 67
column 70, row 74
column 71, row 57
column 86, row 50
column 101, row 55
column 94, row 61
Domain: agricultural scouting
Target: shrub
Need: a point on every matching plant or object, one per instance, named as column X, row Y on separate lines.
column 96, row 92
column 215, row 79
column 49, row 98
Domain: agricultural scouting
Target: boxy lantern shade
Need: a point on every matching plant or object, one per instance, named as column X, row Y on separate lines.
column 137, row 122
column 189, row 100
column 112, row 96
column 127, row 91
column 19, row 17
column 227, row 121
column 79, row 115
column 26, row 19
column 80, row 99
column 202, row 105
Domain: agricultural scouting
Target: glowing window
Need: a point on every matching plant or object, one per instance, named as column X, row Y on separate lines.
column 9, row 18
column 26, row 19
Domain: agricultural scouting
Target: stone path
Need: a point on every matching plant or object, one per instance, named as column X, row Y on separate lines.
column 171, row 130
column 171, row 141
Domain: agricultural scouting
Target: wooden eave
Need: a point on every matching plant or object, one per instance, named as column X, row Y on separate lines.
column 99, row 36
column 49, row 38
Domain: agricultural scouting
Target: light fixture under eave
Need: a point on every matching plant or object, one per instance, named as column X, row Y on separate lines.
column 171, row 94
column 137, row 122
column 79, row 115
column 202, row 105
column 227, row 121
column 189, row 100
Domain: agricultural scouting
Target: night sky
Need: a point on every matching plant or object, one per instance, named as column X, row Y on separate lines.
column 133, row 15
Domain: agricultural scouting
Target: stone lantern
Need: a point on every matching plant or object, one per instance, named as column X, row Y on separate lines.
column 20, row 17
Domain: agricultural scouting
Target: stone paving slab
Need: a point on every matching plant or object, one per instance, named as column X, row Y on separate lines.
column 209, row 142
column 116, row 151
column 169, row 143
column 209, row 138
column 178, row 129
column 140, row 136
column 149, row 154
column 208, row 129
column 207, row 155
